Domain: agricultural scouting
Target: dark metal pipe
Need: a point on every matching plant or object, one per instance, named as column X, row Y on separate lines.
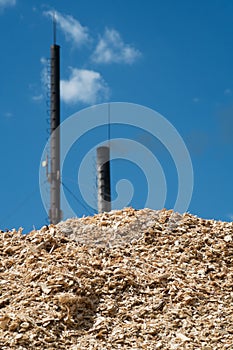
column 55, row 180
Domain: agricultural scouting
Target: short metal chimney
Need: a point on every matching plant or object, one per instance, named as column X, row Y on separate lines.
column 103, row 177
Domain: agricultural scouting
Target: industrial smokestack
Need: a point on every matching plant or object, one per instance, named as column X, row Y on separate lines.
column 55, row 211
column 103, row 176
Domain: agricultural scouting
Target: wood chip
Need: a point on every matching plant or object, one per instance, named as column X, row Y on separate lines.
column 128, row 279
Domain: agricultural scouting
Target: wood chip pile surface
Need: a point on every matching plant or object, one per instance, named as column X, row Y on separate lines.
column 124, row 280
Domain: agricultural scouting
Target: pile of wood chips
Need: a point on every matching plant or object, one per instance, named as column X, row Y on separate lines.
column 130, row 279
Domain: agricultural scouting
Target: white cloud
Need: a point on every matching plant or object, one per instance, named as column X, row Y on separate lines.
column 7, row 3
column 112, row 49
column 72, row 28
column 83, row 86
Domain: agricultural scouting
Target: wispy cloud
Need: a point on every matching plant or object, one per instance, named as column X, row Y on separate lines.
column 37, row 98
column 39, row 92
column 112, row 49
column 7, row 3
column 83, row 86
column 72, row 28
column 45, row 75
column 35, row 90
column 196, row 99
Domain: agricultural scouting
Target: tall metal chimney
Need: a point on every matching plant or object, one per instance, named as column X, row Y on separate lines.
column 55, row 177
column 103, row 176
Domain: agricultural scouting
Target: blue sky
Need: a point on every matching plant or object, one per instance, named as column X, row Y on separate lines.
column 174, row 57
